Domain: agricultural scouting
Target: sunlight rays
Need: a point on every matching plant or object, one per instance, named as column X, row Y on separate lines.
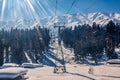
column 40, row 6
column 28, row 1
column 49, row 7
column 25, row 9
column 3, row 9
column 34, row 13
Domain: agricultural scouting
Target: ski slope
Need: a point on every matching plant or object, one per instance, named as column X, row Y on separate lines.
column 75, row 71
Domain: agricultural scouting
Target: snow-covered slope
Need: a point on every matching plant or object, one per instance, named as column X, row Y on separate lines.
column 79, row 18
column 70, row 20
column 20, row 24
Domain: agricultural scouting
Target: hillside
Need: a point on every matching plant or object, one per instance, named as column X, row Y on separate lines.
column 68, row 19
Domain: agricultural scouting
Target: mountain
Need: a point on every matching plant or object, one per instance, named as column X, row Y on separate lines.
column 68, row 19
column 20, row 24
column 79, row 19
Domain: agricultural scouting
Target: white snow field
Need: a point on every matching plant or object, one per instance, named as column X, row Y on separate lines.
column 31, row 65
column 12, row 73
column 5, row 65
column 76, row 72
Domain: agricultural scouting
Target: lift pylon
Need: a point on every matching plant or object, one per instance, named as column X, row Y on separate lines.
column 59, row 66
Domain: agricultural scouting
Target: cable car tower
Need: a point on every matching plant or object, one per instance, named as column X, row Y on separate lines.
column 59, row 66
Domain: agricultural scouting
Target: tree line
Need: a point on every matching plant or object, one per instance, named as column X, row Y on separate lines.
column 92, row 40
column 15, row 42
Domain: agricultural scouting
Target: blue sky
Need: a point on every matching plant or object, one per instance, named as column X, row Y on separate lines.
column 88, row 6
column 30, row 9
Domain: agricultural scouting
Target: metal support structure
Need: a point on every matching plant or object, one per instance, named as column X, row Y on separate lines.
column 59, row 66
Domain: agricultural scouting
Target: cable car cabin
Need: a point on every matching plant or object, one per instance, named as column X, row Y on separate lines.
column 12, row 73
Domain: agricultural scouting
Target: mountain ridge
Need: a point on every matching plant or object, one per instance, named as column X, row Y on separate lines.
column 68, row 19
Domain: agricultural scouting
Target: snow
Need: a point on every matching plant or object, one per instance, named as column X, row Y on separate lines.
column 117, row 16
column 31, row 65
column 12, row 72
column 117, row 50
column 76, row 72
column 114, row 61
column 69, row 19
column 9, row 65
column 78, row 19
column 28, row 58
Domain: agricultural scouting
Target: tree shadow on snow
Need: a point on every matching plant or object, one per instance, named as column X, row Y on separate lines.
column 77, row 74
column 108, row 76
column 47, row 61
column 53, row 56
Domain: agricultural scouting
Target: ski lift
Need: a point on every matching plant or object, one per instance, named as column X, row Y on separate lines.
column 59, row 67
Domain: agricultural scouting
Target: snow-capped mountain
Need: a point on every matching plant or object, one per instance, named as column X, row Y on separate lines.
column 20, row 24
column 68, row 19
column 79, row 19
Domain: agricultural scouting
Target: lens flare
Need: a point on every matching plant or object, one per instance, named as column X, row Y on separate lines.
column 25, row 9
column 40, row 6
column 3, row 9
column 28, row 1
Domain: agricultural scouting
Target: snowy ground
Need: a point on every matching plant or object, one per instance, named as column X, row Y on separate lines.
column 76, row 72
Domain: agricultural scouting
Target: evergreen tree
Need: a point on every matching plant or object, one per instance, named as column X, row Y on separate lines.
column 110, row 40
